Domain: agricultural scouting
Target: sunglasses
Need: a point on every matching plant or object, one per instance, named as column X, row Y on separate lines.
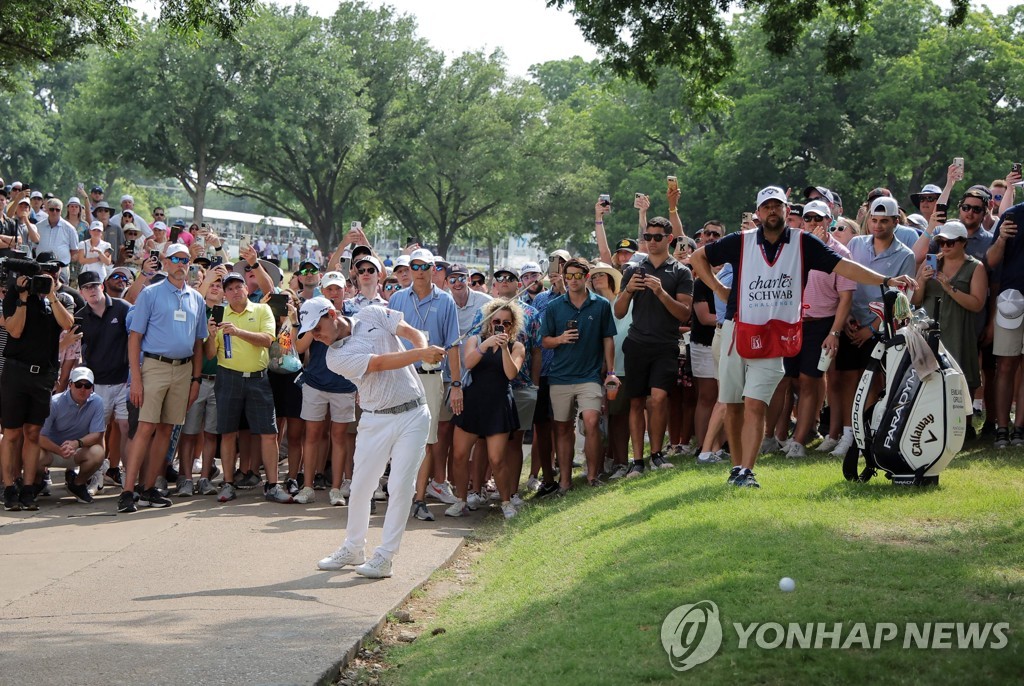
column 119, row 277
column 440, row 267
column 367, row 270
column 928, row 198
column 976, row 209
column 83, row 384
column 127, row 215
column 501, row 322
column 53, row 209
column 301, row 272
column 656, row 237
column 419, row 267
column 392, row 287
column 998, row 197
column 942, row 242
column 175, row 259
column 158, row 214
column 711, row 234
column 456, row 279
column 813, row 218
column 504, row 278
column 575, row 276
column 479, row 282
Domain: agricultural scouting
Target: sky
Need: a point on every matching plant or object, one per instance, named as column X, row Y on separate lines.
column 526, row 30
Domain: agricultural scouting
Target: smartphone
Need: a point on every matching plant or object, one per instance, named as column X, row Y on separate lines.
column 933, row 262
column 959, row 161
column 641, row 272
column 218, row 314
column 499, row 328
column 278, row 304
column 673, row 183
column 216, row 260
column 746, row 218
column 355, row 226
column 193, row 272
column 409, row 240
column 244, row 243
column 605, row 199
column 1015, row 168
column 130, row 245
column 155, row 254
column 571, row 325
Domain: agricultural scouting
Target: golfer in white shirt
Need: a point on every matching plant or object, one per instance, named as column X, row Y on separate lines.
column 366, row 350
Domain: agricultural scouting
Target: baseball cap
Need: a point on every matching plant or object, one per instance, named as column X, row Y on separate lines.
column 361, row 250
column 772, row 193
column 311, row 312
column 627, row 244
column 1009, row 308
column 879, row 193
column 177, row 249
column 529, row 268
column 564, row 254
column 122, row 270
column 332, row 279
column 421, row 255
column 96, row 226
column 73, row 201
column 179, row 222
column 372, row 260
column 82, row 374
column 49, row 257
column 456, row 268
column 952, row 230
column 87, row 278
column 202, row 260
column 23, row 200
column 96, row 189
column 885, row 206
column 817, row 207
column 309, row 263
column 127, row 198
column 980, row 192
column 824, row 192
column 159, row 226
column 917, row 221
column 510, row 270
column 36, row 194
column 232, row 276
column 402, row 261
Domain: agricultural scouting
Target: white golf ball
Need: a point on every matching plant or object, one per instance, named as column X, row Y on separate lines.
column 786, row 584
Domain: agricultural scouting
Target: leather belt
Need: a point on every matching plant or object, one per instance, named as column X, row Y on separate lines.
column 30, row 368
column 245, row 375
column 168, row 360
column 209, row 377
column 428, row 371
column 816, row 319
column 399, row 409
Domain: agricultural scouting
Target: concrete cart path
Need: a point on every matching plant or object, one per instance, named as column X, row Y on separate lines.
column 200, row 593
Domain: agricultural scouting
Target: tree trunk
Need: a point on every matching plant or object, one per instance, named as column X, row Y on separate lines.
column 490, row 256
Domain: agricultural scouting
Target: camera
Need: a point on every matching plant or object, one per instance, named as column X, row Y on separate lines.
column 38, row 282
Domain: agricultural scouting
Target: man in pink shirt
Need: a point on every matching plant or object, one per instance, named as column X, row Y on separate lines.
column 826, row 302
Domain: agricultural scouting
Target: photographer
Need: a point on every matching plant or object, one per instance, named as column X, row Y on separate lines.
column 34, row 318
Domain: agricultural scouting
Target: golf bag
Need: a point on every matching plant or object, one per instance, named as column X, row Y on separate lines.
column 917, row 425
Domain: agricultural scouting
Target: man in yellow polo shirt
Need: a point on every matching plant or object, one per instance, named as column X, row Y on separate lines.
column 241, row 344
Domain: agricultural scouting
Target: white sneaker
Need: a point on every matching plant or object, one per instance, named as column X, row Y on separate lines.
column 843, row 446
column 784, row 445
column 442, row 492
column 475, row 501
column 770, row 445
column 619, row 472
column 722, row 455
column 376, row 568
column 516, row 501
column 491, row 489
column 458, row 509
column 379, row 494
column 336, row 497
column 827, row 445
column 508, row 510
column 346, row 488
column 197, row 465
column 687, row 450
column 533, row 484
column 95, row 484
column 708, row 458
column 796, row 450
column 339, row 558
column 306, row 495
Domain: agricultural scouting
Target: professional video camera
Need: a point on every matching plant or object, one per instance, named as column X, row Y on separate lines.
column 13, row 267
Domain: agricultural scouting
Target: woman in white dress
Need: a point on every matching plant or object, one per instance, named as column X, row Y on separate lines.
column 95, row 253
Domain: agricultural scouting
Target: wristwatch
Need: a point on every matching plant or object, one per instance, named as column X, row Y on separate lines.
column 834, row 333
column 456, row 384
column 886, row 280
column 81, row 443
column 197, row 379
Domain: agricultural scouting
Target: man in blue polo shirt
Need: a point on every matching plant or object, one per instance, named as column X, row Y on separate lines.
column 429, row 309
column 73, row 433
column 165, row 357
column 580, row 328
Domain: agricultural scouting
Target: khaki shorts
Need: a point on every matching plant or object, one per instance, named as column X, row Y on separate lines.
column 165, row 391
column 318, row 405
column 115, row 401
column 589, row 396
column 1008, row 342
column 740, row 378
column 433, row 389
